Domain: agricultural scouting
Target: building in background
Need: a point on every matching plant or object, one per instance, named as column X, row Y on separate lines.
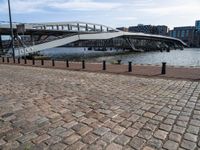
column 186, row 34
column 122, row 29
column 197, row 33
column 197, row 25
column 150, row 29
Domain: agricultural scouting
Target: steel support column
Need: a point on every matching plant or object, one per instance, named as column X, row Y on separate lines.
column 11, row 31
column 1, row 45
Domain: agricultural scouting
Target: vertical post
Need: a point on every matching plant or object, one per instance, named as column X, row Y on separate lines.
column 25, row 62
column 67, row 63
column 78, row 26
column 53, row 62
column 42, row 62
column 18, row 60
column 101, row 29
column 1, row 45
column 163, row 71
column 83, row 64
column 130, row 66
column 86, row 29
column 11, row 30
column 33, row 61
column 8, row 60
column 104, row 65
column 118, row 62
column 3, row 60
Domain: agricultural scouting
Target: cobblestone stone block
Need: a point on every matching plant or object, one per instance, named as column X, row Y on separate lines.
column 58, row 146
column 190, row 137
column 137, row 143
column 77, row 146
column 41, row 138
column 131, row 132
column 114, row 146
column 90, row 138
column 27, row 137
column 72, row 139
column 118, row 129
column 122, row 139
column 101, row 131
column 155, row 143
column 175, row 137
column 109, row 137
column 188, row 145
column 160, row 134
column 171, row 145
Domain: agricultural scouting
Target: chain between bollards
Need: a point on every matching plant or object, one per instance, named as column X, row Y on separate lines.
column 163, row 71
column 130, row 66
column 104, row 65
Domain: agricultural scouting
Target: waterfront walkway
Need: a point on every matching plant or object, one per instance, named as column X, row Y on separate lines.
column 153, row 71
column 61, row 109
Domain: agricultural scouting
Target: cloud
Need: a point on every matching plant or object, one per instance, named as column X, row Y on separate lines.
column 161, row 11
column 85, row 5
column 110, row 12
column 124, row 18
column 24, row 6
column 30, row 6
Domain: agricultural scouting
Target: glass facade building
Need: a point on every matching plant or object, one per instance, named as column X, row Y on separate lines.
column 197, row 25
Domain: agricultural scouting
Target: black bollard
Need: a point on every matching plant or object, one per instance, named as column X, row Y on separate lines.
column 25, row 62
column 163, row 71
column 130, row 66
column 14, row 60
column 67, row 63
column 42, row 62
column 8, row 60
column 104, row 65
column 83, row 64
column 33, row 61
column 118, row 62
column 53, row 62
column 3, row 60
column 18, row 60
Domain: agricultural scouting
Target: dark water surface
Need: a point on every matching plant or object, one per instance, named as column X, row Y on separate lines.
column 187, row 57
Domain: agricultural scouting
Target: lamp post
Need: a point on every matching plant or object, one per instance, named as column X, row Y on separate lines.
column 11, row 31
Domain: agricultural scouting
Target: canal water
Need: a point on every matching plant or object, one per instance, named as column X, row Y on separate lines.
column 186, row 57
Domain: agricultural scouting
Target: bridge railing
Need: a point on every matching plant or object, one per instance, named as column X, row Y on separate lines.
column 75, row 26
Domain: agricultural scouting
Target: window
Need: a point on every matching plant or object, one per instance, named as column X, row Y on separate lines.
column 183, row 33
column 178, row 33
column 187, row 33
column 174, row 33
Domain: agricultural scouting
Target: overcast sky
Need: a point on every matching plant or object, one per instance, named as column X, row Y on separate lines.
column 113, row 13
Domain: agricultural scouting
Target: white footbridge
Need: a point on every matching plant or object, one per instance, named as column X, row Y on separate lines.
column 69, row 32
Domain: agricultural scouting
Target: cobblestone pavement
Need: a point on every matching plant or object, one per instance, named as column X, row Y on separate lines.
column 59, row 109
